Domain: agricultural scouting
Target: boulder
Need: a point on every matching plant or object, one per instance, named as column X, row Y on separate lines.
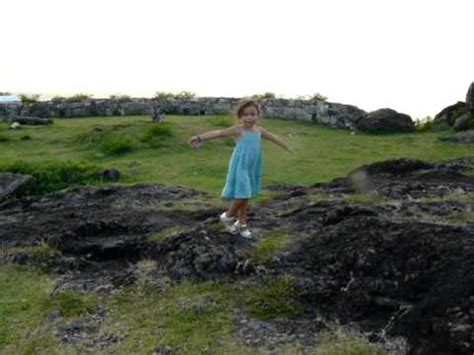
column 13, row 184
column 470, row 99
column 461, row 137
column 27, row 120
column 464, row 122
column 449, row 114
column 385, row 120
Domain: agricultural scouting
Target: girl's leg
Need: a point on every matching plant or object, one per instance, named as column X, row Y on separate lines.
column 243, row 211
column 235, row 207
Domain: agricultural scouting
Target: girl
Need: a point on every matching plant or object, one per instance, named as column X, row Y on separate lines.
column 245, row 167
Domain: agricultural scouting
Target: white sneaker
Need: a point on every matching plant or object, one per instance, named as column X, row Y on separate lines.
column 226, row 219
column 245, row 232
column 240, row 228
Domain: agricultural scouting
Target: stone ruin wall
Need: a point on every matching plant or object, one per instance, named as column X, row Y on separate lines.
column 327, row 113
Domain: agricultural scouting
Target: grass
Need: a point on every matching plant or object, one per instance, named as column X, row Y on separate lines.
column 24, row 307
column 160, row 154
column 190, row 318
column 275, row 299
column 269, row 245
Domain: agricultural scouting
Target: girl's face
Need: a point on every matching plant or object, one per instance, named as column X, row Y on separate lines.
column 249, row 116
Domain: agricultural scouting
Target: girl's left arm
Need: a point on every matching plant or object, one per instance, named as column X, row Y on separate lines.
column 275, row 139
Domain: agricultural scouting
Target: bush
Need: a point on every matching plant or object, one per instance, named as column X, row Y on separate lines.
column 185, row 95
column 120, row 98
column 424, row 124
column 115, row 145
column 52, row 176
column 158, row 135
column 266, row 95
column 163, row 95
column 29, row 99
column 319, row 97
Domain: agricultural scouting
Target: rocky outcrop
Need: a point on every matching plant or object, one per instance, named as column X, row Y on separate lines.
column 34, row 121
column 449, row 114
column 460, row 116
column 14, row 185
column 386, row 120
column 397, row 263
column 460, row 137
column 470, row 98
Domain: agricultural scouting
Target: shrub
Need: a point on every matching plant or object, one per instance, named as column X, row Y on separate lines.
column 185, row 95
column 58, row 99
column 115, row 145
column 120, row 98
column 163, row 95
column 318, row 97
column 424, row 124
column 266, row 95
column 158, row 135
column 29, row 99
column 52, row 175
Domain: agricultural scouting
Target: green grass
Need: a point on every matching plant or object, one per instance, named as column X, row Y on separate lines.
column 144, row 151
column 275, row 299
column 24, row 306
column 190, row 318
column 269, row 245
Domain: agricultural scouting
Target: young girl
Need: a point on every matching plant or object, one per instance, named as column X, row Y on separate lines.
column 246, row 164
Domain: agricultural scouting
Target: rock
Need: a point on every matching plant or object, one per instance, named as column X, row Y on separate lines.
column 385, row 120
column 470, row 98
column 14, row 184
column 15, row 125
column 464, row 122
column 449, row 114
column 26, row 120
column 460, row 137
column 110, row 175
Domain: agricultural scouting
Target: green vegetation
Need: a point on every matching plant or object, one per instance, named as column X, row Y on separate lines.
column 346, row 342
column 170, row 95
column 53, row 175
column 269, row 245
column 146, row 152
column 24, row 305
column 275, row 299
column 120, row 98
column 29, row 99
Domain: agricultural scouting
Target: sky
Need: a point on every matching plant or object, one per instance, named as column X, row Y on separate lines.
column 414, row 56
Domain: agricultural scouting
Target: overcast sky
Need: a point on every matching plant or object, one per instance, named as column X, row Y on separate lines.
column 415, row 56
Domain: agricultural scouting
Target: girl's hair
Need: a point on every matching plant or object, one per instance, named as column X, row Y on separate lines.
column 243, row 104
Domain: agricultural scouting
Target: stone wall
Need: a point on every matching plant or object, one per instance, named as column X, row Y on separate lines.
column 333, row 114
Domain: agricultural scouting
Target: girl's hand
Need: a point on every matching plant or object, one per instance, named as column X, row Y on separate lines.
column 195, row 142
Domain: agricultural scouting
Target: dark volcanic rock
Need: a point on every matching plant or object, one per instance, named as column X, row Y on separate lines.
column 399, row 264
column 387, row 120
column 460, row 137
column 449, row 114
column 470, row 98
column 14, row 184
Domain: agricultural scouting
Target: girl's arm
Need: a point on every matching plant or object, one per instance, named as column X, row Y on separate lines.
column 218, row 133
column 275, row 139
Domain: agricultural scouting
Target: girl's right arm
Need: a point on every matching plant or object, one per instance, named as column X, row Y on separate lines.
column 218, row 133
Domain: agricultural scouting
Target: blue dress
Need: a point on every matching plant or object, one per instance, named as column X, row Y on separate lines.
column 245, row 168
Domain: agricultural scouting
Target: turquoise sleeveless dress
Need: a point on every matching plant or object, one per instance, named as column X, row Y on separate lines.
column 245, row 168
